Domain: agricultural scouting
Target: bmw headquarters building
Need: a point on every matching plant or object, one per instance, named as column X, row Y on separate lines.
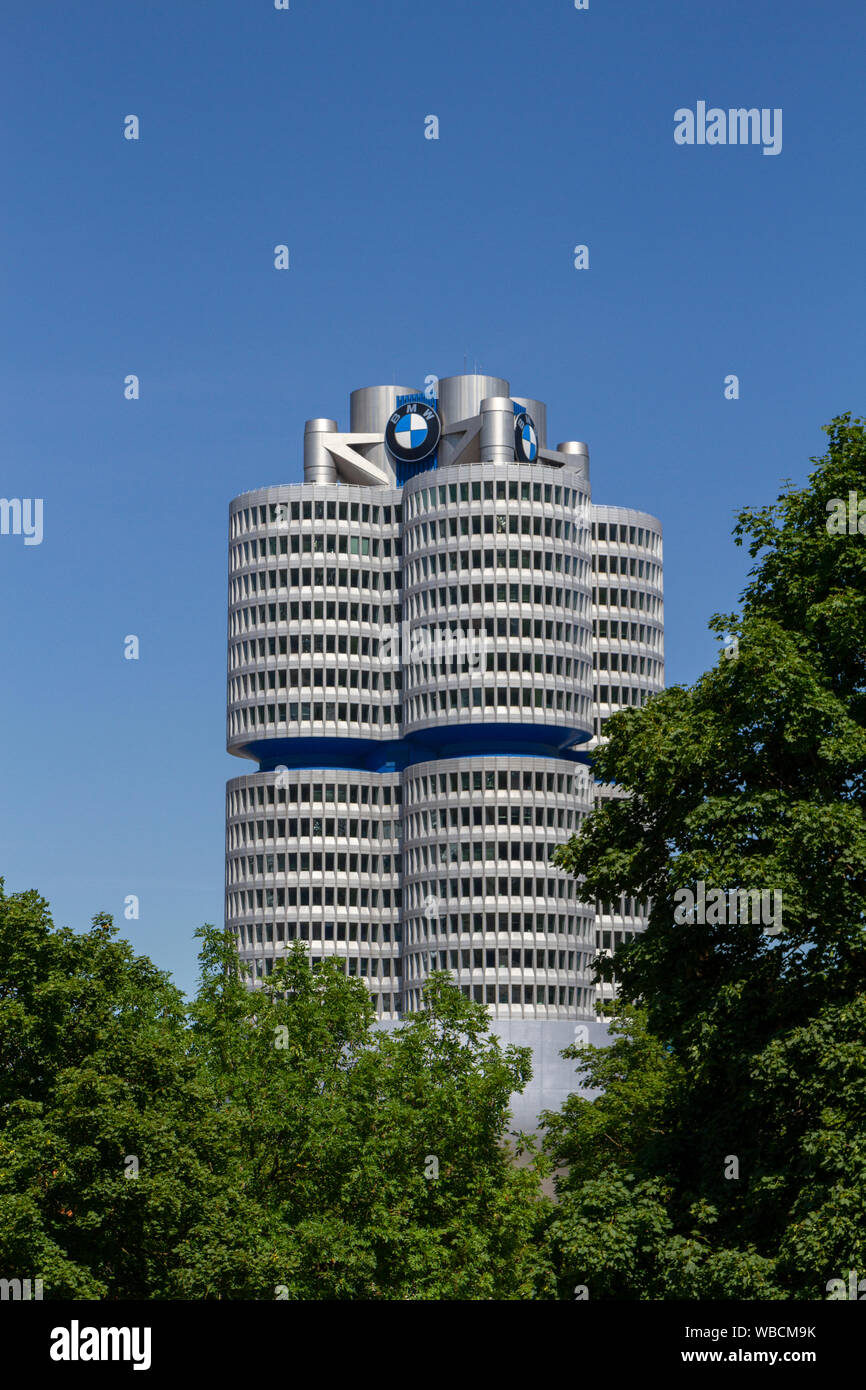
column 425, row 640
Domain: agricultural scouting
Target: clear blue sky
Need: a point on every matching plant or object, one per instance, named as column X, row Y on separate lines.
column 306, row 127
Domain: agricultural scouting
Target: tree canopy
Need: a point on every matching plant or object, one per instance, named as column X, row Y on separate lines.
column 256, row 1144
column 751, row 779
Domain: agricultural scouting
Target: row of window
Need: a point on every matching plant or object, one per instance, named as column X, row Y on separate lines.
column 261, row 581
column 425, row 534
column 627, row 631
column 418, row 894
column 319, row 509
column 420, row 929
column 299, row 644
column 249, row 554
column 540, row 995
column 426, row 857
column 248, row 899
column 444, row 817
column 628, row 598
column 365, row 967
column 426, row 706
column 491, row 959
column 423, row 499
column 449, row 561
column 625, row 661
column 249, row 650
column 609, row 940
column 627, row 564
column 247, row 718
column 283, row 933
column 297, row 678
column 280, row 514
column 426, row 823
column 286, row 787
column 279, row 934
column 622, row 695
column 500, row 661
column 462, row 595
column 253, row 832
column 487, row 779
column 623, row 907
column 243, row 620
column 299, row 862
column 437, row 600
column 624, row 534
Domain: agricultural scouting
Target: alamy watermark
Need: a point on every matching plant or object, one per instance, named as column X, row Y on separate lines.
column 20, row 1289
column 726, row 907
column 736, row 126
column 77, row 1343
column 848, row 519
column 855, row 1290
column 444, row 648
column 22, row 516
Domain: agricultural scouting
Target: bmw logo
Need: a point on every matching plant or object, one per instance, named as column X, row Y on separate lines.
column 525, row 438
column 413, row 432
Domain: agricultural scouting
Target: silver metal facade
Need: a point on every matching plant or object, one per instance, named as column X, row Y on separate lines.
column 481, row 898
column 416, row 671
column 628, row 662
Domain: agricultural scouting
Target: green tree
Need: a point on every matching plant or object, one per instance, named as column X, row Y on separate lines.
column 753, row 778
column 109, row 1139
column 374, row 1159
column 614, row 1234
column 282, row 1147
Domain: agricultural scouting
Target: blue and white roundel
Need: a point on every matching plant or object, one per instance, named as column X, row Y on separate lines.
column 413, row 432
column 525, row 438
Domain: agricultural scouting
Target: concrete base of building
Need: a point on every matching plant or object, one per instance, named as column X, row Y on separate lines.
column 553, row 1076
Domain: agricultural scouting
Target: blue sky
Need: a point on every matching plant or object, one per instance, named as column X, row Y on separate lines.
column 306, row 127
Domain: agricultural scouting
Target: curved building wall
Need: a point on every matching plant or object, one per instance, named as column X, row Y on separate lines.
column 314, row 855
column 628, row 662
column 627, row 611
column 497, row 561
column 315, row 575
column 482, row 899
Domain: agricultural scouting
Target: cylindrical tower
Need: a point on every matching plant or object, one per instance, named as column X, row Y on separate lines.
column 628, row 662
column 497, row 562
column 314, row 855
column 498, row 688
column 627, row 610
column 481, row 897
column 315, row 576
column 417, row 672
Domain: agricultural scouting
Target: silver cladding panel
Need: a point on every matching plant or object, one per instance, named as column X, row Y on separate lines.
column 369, row 409
column 460, row 397
column 497, row 430
column 319, row 467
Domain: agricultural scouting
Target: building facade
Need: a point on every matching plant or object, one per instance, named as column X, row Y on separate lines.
column 425, row 639
column 628, row 663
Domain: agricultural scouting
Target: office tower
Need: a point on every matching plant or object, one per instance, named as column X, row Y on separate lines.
column 628, row 662
column 413, row 633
